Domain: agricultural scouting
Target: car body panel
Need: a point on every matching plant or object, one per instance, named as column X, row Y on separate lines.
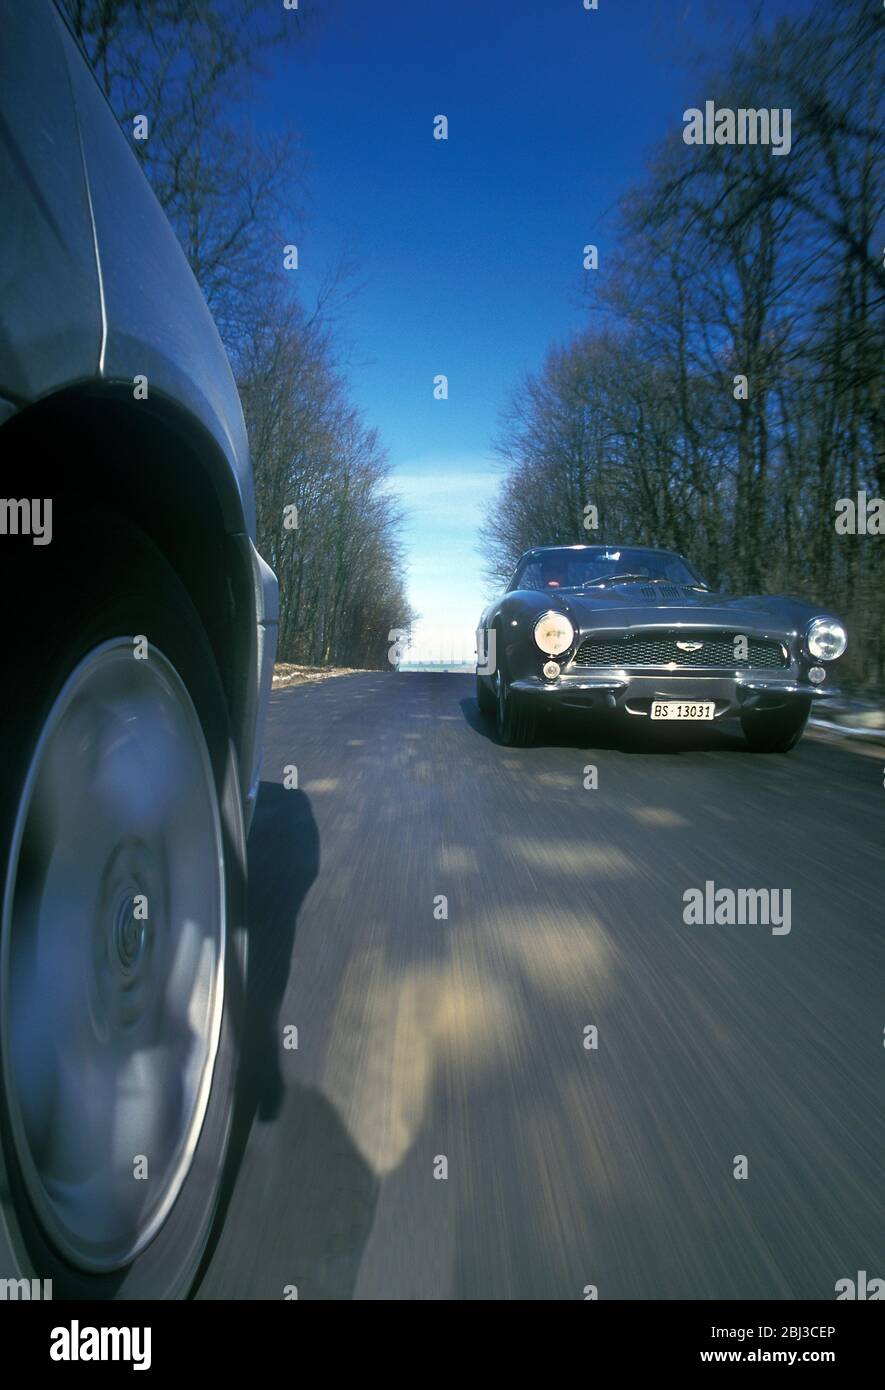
column 50, row 303
column 96, row 291
column 157, row 323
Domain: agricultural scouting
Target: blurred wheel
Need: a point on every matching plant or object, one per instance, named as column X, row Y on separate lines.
column 120, row 950
column 777, row 730
column 515, row 721
column 484, row 697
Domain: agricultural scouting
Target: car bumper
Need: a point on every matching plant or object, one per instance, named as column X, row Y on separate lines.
column 633, row 694
column 267, row 612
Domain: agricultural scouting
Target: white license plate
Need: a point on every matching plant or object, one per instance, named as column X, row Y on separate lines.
column 683, row 709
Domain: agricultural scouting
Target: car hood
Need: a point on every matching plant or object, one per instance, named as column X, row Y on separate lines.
column 676, row 604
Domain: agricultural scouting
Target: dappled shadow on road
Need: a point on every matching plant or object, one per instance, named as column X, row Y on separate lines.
column 464, row 1037
column 618, row 733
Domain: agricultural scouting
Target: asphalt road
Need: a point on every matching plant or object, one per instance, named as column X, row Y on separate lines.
column 420, row 1037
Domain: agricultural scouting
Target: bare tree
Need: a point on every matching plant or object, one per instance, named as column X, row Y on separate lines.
column 326, row 520
column 734, row 265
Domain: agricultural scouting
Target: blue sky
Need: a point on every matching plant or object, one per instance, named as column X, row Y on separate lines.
column 469, row 250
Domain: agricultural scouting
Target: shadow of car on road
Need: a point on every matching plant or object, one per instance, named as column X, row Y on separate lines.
column 284, row 859
column 280, row 1214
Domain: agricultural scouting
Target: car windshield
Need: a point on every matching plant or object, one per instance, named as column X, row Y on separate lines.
column 568, row 567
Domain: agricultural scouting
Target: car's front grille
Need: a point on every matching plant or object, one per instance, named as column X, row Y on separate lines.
column 715, row 649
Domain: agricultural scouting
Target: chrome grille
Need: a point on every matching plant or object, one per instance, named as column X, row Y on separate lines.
column 660, row 649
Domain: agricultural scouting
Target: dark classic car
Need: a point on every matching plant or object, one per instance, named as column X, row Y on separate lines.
column 638, row 632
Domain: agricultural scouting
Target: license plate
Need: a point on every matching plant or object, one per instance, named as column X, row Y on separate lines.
column 683, row 709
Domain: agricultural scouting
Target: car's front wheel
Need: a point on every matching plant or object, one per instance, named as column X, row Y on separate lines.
column 777, row 730
column 121, row 948
column 515, row 720
column 485, row 699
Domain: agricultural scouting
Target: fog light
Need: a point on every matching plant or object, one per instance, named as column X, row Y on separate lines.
column 551, row 670
column 816, row 675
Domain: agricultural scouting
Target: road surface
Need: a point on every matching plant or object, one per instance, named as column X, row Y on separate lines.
column 423, row 1037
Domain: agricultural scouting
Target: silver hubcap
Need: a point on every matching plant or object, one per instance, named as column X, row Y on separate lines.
column 112, row 955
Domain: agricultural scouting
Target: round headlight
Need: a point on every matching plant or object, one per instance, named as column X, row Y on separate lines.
column 554, row 633
column 826, row 639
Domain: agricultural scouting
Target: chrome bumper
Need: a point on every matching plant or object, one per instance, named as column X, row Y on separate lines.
column 622, row 690
column 267, row 614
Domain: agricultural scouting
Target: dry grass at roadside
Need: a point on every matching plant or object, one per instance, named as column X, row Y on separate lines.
column 288, row 673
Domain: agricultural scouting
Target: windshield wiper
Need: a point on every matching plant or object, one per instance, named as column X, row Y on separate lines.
column 619, row 579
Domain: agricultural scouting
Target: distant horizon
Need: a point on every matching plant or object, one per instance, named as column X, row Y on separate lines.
column 436, row 666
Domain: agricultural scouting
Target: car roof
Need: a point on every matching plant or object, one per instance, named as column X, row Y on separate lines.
column 612, row 545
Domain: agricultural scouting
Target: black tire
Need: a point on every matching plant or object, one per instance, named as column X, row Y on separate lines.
column 101, row 578
column 777, row 730
column 515, row 719
column 485, row 699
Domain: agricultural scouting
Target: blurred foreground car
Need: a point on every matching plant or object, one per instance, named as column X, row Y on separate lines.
column 139, row 630
column 599, row 628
